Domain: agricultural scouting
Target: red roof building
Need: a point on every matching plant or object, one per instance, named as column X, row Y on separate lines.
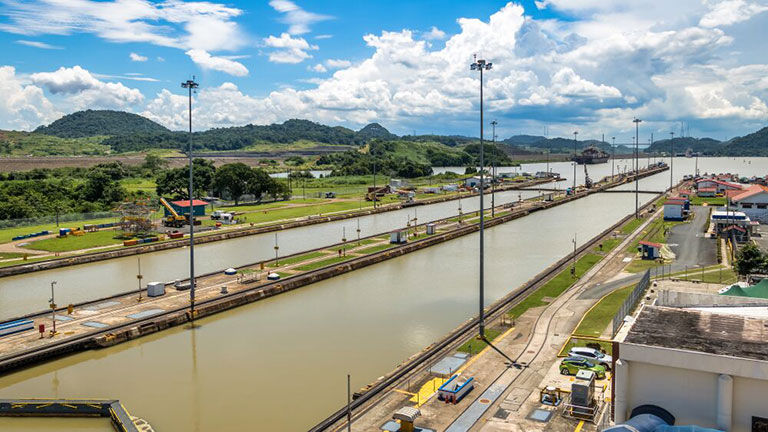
column 185, row 203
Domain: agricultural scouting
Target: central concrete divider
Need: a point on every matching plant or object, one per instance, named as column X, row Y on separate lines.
column 121, row 333
column 240, row 232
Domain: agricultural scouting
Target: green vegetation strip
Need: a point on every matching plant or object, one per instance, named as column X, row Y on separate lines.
column 600, row 316
column 296, row 259
column 73, row 242
column 320, row 264
column 556, row 285
column 475, row 345
column 374, row 249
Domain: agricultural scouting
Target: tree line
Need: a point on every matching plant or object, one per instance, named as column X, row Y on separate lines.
column 50, row 191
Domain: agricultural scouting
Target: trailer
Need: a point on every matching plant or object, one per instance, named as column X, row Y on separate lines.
column 455, row 389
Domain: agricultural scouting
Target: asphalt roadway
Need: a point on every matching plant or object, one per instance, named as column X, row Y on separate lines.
column 688, row 243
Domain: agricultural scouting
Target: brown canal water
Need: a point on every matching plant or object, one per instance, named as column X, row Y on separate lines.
column 28, row 293
column 281, row 364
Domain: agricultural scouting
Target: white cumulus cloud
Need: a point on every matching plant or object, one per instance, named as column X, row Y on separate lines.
column 288, row 49
column 207, row 61
column 83, row 90
column 137, row 57
column 297, row 18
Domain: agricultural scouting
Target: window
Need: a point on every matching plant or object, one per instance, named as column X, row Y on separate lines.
column 746, row 205
column 762, row 206
column 759, row 424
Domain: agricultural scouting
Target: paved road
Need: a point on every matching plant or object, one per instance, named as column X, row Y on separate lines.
column 688, row 243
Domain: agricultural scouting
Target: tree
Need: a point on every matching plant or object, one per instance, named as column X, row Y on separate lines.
column 153, row 162
column 749, row 259
column 235, row 179
column 175, row 181
column 100, row 187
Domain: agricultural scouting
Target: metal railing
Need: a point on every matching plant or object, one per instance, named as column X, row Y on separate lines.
column 631, row 301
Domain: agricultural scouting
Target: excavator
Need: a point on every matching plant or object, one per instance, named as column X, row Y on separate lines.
column 174, row 219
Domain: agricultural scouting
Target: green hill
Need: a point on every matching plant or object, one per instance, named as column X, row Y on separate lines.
column 13, row 143
column 707, row 146
column 99, row 123
column 754, row 144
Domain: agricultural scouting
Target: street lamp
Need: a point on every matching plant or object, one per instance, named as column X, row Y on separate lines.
column 637, row 166
column 53, row 309
column 575, row 134
column 191, row 85
column 613, row 156
column 493, row 171
column 671, row 157
column 481, row 65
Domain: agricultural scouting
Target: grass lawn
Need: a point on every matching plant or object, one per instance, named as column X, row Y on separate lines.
column 609, row 245
column 71, row 242
column 296, row 259
column 10, row 255
column 556, row 285
column 713, row 201
column 320, row 264
column 640, row 265
column 374, row 249
column 577, row 342
column 631, row 226
column 726, row 276
column 475, row 345
column 270, row 205
column 600, row 316
column 6, row 234
column 139, row 184
column 297, row 212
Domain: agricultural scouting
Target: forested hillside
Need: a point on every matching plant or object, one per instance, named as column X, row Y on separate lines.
column 98, row 123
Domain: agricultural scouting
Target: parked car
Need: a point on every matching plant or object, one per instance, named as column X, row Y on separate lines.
column 571, row 365
column 593, row 355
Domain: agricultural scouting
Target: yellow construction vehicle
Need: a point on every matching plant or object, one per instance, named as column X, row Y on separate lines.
column 174, row 219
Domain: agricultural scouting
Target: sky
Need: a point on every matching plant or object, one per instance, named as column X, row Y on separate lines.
column 559, row 66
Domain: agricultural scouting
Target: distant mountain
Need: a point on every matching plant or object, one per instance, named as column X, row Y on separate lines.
column 98, row 123
column 707, row 146
column 754, row 144
column 523, row 139
column 375, row 130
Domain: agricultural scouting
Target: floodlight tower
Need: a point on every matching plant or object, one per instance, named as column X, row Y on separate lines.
column 637, row 166
column 191, row 85
column 481, row 65
column 575, row 135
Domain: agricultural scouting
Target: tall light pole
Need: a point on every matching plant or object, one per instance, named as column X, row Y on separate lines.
column 493, row 171
column 191, row 85
column 375, row 192
column 671, row 158
column 53, row 308
column 637, row 166
column 481, row 65
column 575, row 134
column 613, row 156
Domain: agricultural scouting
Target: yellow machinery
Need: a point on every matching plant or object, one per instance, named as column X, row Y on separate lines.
column 174, row 219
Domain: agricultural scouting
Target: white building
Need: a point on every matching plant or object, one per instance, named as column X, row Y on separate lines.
column 674, row 209
column 753, row 202
column 706, row 369
column 719, row 185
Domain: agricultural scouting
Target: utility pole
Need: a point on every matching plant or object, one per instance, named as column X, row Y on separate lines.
column 191, row 85
column 575, row 134
column 493, row 172
column 53, row 309
column 277, row 249
column 375, row 192
column 637, row 167
column 671, row 158
column 481, row 65
column 573, row 260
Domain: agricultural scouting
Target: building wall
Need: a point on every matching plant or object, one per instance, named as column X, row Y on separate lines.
column 749, row 399
column 673, row 212
column 691, row 396
column 755, row 213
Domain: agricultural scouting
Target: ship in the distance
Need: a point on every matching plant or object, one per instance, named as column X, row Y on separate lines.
column 591, row 155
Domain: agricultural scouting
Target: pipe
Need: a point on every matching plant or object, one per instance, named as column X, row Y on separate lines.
column 724, row 402
column 621, row 384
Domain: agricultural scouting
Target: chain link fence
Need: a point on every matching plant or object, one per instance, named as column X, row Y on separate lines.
column 69, row 217
column 631, row 301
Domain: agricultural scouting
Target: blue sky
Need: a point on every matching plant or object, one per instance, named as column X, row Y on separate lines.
column 561, row 66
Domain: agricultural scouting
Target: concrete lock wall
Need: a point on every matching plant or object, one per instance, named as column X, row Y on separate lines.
column 691, row 396
column 674, row 298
